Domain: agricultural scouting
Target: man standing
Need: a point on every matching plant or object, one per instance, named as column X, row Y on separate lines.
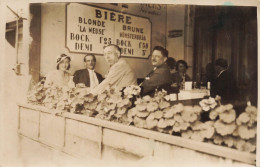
column 224, row 85
column 88, row 76
column 120, row 73
column 160, row 77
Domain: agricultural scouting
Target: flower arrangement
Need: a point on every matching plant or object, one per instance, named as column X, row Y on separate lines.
column 224, row 127
column 112, row 106
column 231, row 130
column 158, row 114
column 37, row 94
column 132, row 90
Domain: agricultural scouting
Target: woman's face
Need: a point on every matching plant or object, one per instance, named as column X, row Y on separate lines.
column 64, row 64
column 182, row 68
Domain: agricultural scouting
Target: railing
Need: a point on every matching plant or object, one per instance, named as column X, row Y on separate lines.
column 81, row 135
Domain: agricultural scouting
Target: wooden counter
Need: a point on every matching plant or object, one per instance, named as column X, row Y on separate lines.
column 193, row 94
column 83, row 136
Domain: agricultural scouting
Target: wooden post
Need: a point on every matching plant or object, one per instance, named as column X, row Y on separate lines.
column 35, row 46
column 39, row 124
column 65, row 120
column 19, row 115
column 100, row 129
column 152, row 143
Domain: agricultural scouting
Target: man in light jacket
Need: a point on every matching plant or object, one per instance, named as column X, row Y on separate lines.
column 120, row 73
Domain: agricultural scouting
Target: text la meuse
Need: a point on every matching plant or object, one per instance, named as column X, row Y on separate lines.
column 92, row 30
column 112, row 16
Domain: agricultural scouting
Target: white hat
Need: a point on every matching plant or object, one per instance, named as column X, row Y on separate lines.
column 61, row 58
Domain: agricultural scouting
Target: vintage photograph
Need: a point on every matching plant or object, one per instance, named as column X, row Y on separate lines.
column 129, row 84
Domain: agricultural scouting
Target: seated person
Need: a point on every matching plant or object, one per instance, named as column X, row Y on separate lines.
column 224, row 84
column 171, row 62
column 59, row 77
column 120, row 73
column 160, row 76
column 88, row 76
column 180, row 74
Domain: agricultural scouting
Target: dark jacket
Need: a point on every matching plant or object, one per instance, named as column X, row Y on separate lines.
column 224, row 85
column 161, row 77
column 82, row 76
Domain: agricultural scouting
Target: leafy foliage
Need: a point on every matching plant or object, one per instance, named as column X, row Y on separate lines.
column 37, row 94
column 157, row 113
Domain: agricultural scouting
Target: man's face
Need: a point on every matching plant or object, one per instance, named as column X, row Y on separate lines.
column 157, row 58
column 111, row 55
column 90, row 62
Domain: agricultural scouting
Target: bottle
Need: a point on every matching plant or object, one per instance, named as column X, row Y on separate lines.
column 208, row 85
column 198, row 80
column 208, row 88
column 183, row 81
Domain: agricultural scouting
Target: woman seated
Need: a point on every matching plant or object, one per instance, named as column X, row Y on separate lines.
column 180, row 75
column 59, row 77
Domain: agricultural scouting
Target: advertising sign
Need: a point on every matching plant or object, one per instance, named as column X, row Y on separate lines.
column 89, row 29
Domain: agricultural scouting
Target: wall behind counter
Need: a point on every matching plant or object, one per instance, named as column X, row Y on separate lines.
column 53, row 36
column 180, row 18
column 175, row 21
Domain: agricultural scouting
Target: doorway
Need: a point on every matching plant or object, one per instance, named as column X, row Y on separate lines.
column 229, row 33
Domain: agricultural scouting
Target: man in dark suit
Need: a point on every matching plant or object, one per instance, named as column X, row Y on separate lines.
column 88, row 76
column 160, row 77
column 224, row 84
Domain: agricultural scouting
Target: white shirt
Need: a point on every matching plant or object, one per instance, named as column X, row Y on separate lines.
column 93, row 78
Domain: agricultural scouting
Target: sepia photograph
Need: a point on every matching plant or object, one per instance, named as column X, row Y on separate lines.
column 114, row 83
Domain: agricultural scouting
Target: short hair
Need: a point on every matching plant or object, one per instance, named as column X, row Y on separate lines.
column 116, row 46
column 171, row 62
column 94, row 57
column 162, row 50
column 181, row 62
column 221, row 62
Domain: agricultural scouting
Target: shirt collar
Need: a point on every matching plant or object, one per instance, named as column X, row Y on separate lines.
column 89, row 70
column 159, row 66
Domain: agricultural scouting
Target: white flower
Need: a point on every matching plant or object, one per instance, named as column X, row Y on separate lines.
column 207, row 104
column 132, row 90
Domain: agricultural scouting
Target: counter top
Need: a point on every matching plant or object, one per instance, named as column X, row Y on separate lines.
column 193, row 94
